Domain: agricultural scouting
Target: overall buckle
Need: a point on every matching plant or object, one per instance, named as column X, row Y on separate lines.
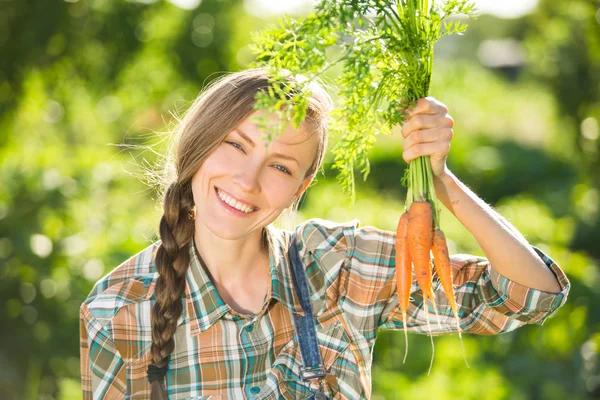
column 307, row 373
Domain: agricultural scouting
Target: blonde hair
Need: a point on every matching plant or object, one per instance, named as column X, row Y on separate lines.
column 212, row 116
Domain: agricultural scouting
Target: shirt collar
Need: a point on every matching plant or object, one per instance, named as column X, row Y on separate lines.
column 203, row 304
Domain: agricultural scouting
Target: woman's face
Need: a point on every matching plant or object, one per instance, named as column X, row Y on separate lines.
column 243, row 186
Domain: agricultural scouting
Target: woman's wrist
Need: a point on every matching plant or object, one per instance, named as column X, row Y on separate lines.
column 442, row 184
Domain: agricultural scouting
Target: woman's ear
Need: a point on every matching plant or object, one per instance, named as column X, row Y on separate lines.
column 303, row 187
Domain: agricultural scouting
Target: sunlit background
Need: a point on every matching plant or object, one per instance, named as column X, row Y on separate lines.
column 80, row 79
column 505, row 8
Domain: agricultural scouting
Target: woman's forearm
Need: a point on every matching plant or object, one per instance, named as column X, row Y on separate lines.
column 504, row 246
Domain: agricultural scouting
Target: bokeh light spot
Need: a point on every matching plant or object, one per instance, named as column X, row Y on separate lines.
column 186, row 4
column 54, row 112
column 28, row 292
column 48, row 288
column 13, row 308
column 41, row 245
column 93, row 269
column 202, row 39
column 30, row 314
column 41, row 331
column 74, row 245
column 145, row 31
column 589, row 128
column 51, row 179
column 109, row 108
column 203, row 21
column 6, row 247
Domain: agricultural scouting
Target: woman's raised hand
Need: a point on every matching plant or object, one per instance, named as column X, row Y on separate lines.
column 427, row 131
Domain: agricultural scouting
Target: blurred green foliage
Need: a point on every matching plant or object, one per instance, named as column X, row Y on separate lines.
column 79, row 78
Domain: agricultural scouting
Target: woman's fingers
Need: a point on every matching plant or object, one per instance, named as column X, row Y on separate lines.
column 439, row 149
column 427, row 131
column 428, row 136
column 428, row 105
column 426, row 121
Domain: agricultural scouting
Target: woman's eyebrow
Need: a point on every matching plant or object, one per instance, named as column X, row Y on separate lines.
column 280, row 155
column 286, row 157
column 244, row 136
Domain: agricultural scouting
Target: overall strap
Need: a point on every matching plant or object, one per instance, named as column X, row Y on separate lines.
column 305, row 324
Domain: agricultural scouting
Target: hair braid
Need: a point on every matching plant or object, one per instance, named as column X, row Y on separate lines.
column 172, row 260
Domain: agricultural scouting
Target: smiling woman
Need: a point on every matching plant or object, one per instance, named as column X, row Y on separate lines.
column 226, row 305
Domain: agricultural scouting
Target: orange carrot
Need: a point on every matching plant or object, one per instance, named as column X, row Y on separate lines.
column 444, row 271
column 443, row 268
column 403, row 272
column 420, row 240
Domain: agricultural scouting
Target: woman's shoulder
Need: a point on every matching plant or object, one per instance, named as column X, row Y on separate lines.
column 131, row 282
column 320, row 235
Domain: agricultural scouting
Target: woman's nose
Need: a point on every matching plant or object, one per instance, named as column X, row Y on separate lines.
column 248, row 178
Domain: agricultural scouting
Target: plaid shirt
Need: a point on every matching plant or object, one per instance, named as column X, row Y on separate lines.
column 221, row 354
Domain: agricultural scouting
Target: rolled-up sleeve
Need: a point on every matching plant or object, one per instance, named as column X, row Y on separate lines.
column 523, row 303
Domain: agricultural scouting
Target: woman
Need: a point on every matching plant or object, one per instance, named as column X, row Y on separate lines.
column 219, row 309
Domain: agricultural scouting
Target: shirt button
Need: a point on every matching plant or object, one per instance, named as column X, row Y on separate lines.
column 254, row 390
column 250, row 328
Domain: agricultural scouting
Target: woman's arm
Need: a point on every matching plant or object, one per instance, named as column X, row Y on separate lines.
column 428, row 132
column 504, row 246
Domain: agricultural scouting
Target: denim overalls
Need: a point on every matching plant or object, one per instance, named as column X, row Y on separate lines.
column 305, row 326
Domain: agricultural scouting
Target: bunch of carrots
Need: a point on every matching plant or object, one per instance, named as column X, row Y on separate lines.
column 416, row 237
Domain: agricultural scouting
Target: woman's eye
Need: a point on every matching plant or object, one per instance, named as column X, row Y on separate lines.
column 283, row 169
column 234, row 144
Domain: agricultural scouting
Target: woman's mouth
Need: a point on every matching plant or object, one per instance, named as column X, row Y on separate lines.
column 233, row 205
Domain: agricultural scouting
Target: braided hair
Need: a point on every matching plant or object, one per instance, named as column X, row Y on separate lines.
column 172, row 259
column 212, row 116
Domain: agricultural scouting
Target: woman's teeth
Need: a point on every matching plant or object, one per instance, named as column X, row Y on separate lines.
column 234, row 203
